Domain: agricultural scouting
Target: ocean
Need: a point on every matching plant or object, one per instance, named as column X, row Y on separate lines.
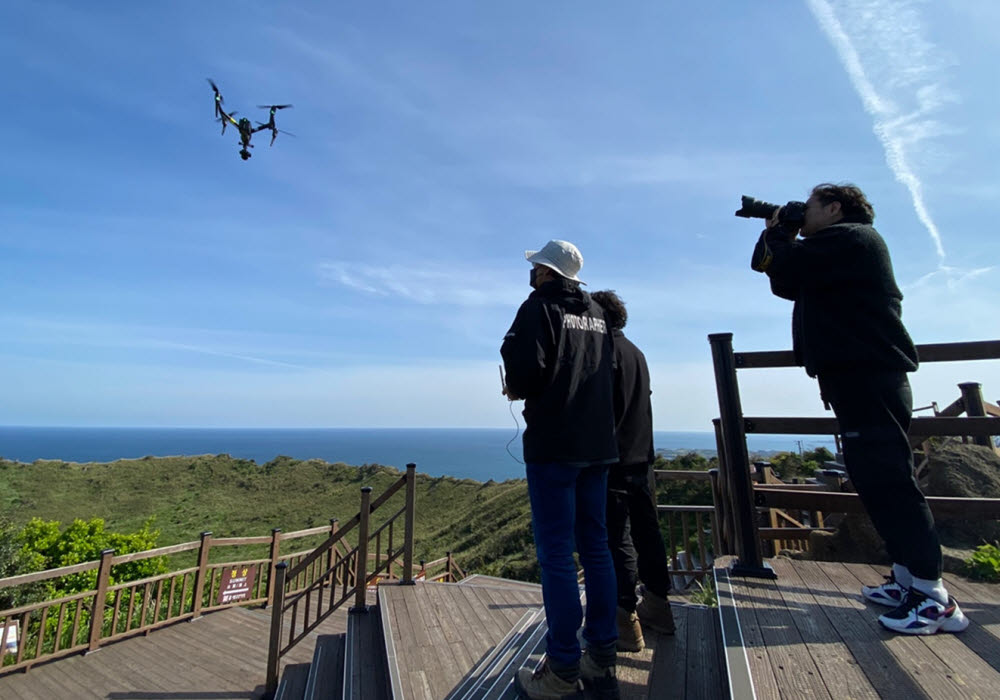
column 465, row 453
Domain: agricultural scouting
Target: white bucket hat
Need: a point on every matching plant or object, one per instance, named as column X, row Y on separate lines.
column 561, row 256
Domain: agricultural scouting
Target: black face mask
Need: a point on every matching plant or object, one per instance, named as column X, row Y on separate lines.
column 533, row 280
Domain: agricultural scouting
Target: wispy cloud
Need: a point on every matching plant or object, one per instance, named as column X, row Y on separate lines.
column 883, row 42
column 427, row 283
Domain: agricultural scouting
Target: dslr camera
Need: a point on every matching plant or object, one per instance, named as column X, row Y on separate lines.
column 792, row 214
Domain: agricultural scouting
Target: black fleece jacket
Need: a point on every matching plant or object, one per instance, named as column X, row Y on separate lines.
column 559, row 357
column 633, row 408
column 848, row 308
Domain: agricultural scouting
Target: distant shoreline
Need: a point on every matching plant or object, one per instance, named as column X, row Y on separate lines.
column 465, row 453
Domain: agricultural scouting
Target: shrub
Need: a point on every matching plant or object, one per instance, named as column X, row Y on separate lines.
column 985, row 563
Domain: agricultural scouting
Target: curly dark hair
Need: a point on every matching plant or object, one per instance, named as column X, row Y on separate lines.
column 614, row 308
column 853, row 203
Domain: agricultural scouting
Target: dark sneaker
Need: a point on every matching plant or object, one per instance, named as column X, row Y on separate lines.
column 920, row 614
column 888, row 593
column 544, row 684
column 601, row 681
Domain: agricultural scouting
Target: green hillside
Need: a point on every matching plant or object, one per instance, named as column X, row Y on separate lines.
column 486, row 526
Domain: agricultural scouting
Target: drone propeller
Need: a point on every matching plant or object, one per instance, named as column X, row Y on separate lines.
column 218, row 96
column 273, row 106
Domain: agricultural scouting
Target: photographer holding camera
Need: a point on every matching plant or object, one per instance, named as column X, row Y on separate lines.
column 847, row 331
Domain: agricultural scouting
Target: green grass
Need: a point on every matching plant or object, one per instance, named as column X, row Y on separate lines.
column 486, row 526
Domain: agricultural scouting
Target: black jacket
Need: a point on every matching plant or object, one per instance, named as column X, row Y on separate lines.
column 633, row 408
column 559, row 357
column 848, row 309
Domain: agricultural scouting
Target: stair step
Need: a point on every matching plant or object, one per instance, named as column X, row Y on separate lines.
column 365, row 669
column 326, row 672
column 293, row 682
column 493, row 677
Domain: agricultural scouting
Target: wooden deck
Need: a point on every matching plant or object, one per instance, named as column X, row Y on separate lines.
column 221, row 655
column 435, row 637
column 441, row 632
column 810, row 634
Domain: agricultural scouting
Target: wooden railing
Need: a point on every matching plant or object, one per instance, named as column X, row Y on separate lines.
column 335, row 573
column 449, row 570
column 109, row 612
column 687, row 522
column 740, row 498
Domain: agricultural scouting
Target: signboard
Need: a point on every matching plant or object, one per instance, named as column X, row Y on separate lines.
column 237, row 582
column 9, row 635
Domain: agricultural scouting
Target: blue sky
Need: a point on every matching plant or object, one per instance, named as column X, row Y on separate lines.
column 363, row 273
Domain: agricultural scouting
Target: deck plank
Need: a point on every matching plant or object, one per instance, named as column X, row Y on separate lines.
column 794, row 669
column 703, row 680
column 402, row 635
column 837, row 666
column 669, row 666
column 764, row 682
column 912, row 653
column 970, row 670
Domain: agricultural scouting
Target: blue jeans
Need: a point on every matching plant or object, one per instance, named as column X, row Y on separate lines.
column 567, row 501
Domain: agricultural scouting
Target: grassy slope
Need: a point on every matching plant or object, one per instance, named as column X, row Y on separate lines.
column 487, row 526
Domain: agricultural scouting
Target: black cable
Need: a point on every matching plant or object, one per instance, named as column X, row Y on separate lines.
column 517, row 431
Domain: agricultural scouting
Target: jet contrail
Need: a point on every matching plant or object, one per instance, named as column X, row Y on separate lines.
column 895, row 130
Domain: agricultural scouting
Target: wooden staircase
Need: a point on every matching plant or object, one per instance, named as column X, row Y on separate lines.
column 466, row 641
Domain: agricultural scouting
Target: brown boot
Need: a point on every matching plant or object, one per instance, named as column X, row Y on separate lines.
column 654, row 613
column 629, row 631
column 544, row 684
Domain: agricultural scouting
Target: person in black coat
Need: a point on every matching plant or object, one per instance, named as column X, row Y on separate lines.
column 848, row 332
column 559, row 358
column 633, row 526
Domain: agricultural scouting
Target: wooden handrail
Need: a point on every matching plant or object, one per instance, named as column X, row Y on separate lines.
column 921, row 426
column 390, row 492
column 930, row 352
column 321, row 549
column 240, row 541
column 833, row 502
column 680, row 475
column 22, row 579
column 158, row 552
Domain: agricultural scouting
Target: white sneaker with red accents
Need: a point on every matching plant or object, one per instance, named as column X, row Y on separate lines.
column 889, row 593
column 920, row 614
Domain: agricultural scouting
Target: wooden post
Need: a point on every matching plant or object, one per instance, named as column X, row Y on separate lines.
column 727, row 527
column 97, row 614
column 718, row 537
column 332, row 555
column 451, row 576
column 274, row 639
column 411, row 498
column 361, row 563
column 199, row 577
column 734, row 443
column 972, row 397
column 272, row 565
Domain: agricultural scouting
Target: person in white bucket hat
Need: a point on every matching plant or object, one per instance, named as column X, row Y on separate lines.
column 559, row 357
column 561, row 256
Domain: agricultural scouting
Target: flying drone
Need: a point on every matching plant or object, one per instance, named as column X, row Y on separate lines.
column 243, row 125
